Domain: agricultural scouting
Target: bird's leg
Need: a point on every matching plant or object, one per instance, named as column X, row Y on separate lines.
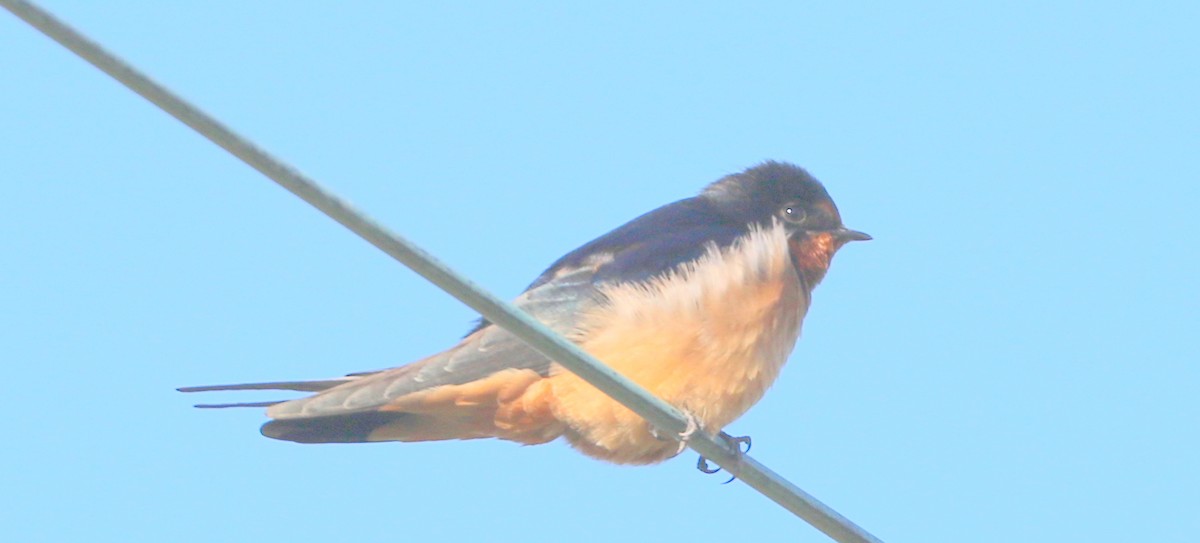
column 688, row 432
column 733, row 442
column 682, row 437
column 737, row 442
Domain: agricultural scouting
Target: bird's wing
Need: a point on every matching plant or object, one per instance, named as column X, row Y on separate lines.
column 491, row 349
column 647, row 246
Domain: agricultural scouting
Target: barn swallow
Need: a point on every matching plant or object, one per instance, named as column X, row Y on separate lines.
column 699, row 301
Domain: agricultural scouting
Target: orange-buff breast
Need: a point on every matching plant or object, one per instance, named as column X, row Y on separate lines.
column 708, row 339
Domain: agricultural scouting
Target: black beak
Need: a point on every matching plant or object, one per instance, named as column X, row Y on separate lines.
column 846, row 235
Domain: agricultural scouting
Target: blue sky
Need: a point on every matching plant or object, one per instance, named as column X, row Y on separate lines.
column 1012, row 359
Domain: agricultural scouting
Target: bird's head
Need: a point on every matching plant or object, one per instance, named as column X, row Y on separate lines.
column 784, row 194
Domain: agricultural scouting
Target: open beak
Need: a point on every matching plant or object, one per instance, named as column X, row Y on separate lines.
column 845, row 235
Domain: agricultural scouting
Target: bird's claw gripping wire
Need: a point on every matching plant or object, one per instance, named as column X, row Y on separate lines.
column 693, row 425
column 688, row 432
column 682, row 437
column 734, row 443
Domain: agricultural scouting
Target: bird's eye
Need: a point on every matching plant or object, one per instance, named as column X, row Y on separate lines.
column 793, row 213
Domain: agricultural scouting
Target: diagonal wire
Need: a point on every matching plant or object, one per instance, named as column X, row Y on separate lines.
column 520, row 324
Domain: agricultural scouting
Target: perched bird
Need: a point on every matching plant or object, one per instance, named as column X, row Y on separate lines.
column 699, row 301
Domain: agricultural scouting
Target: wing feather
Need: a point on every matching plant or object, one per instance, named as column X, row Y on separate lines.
column 557, row 303
column 299, row 386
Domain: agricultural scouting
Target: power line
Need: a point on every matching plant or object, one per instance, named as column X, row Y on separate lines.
column 662, row 415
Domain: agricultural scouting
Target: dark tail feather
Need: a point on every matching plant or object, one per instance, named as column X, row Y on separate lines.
column 349, row 428
column 241, row 404
column 299, row 386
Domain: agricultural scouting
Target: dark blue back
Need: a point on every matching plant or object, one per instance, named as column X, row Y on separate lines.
column 654, row 243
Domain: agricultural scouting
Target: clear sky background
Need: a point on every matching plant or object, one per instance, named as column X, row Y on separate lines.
column 1014, row 358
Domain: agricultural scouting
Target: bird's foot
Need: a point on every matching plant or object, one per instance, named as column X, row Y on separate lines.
column 734, row 443
column 690, row 430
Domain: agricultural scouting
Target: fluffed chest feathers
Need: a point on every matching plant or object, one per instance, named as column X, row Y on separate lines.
column 709, row 338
